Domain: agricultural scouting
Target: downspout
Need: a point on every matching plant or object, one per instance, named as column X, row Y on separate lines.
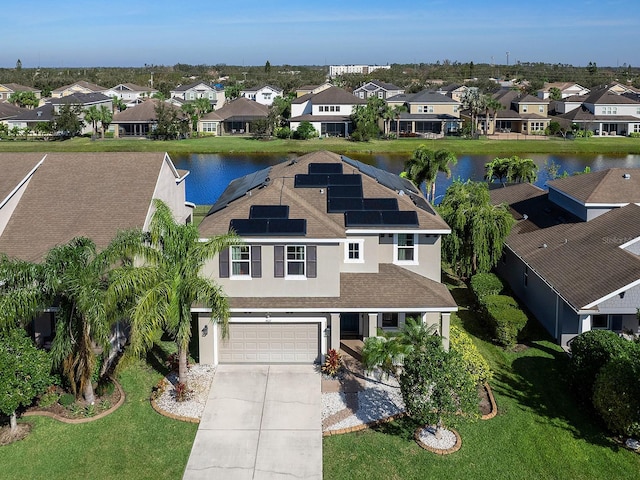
column 557, row 300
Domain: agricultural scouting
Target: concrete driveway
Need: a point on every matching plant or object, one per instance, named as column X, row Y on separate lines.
column 260, row 422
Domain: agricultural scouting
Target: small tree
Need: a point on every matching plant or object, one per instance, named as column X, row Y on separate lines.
column 436, row 387
column 24, row 372
column 305, row 131
column 67, row 121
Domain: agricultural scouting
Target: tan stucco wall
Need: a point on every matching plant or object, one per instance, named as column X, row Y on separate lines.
column 438, row 109
column 428, row 264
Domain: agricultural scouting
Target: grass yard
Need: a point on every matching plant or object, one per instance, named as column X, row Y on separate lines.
column 604, row 145
column 539, row 433
column 132, row 443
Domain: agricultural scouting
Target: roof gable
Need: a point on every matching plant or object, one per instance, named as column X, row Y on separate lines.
column 612, row 186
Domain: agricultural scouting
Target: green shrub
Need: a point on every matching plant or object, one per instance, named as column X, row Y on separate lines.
column 66, row 399
column 474, row 362
column 305, row 131
column 483, row 284
column 105, row 388
column 283, row 132
column 634, row 134
column 590, row 351
column 505, row 317
column 48, row 399
column 616, row 395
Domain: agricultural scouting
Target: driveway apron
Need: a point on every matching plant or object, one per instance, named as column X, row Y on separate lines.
column 260, row 422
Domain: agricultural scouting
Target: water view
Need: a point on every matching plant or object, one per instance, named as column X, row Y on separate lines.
column 211, row 173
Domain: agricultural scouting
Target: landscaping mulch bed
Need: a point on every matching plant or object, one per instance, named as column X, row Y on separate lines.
column 6, row 437
column 484, row 402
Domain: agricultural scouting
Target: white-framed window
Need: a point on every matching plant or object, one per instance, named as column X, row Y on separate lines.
column 405, row 250
column 455, row 109
column 599, row 322
column 210, row 95
column 425, row 108
column 380, row 94
column 208, row 127
column 192, row 96
column 354, row 251
column 240, row 261
column 361, row 94
column 537, row 126
column 541, row 108
column 337, row 108
column 525, row 108
column 636, row 127
column 295, row 260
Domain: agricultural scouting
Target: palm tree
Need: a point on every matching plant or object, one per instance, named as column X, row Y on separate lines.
column 190, row 110
column 473, row 101
column 92, row 115
column 74, row 277
column 523, row 170
column 493, row 105
column 424, row 165
column 397, row 112
column 106, row 116
column 160, row 293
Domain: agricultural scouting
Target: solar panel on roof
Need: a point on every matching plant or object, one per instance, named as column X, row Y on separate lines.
column 294, row 226
column 383, row 177
column 325, row 168
column 362, row 218
column 341, row 179
column 342, row 204
column 407, row 218
column 249, row 226
column 421, row 203
column 350, row 191
column 380, row 204
column 269, row 211
column 316, row 180
column 240, row 186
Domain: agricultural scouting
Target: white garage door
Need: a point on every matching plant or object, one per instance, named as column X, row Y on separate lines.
column 270, row 343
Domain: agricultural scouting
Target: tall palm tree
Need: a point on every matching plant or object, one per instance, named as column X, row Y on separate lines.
column 494, row 106
column 73, row 277
column 92, row 115
column 424, row 165
column 106, row 116
column 160, row 293
column 474, row 102
column 398, row 110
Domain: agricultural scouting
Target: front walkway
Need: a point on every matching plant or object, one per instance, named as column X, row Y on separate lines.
column 260, row 422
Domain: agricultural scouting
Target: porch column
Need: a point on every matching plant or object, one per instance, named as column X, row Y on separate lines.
column 372, row 326
column 335, row 331
column 600, row 129
column 444, row 330
column 585, row 323
column 207, row 344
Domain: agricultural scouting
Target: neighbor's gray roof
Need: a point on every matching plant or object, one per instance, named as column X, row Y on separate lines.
column 332, row 96
column 9, row 110
column 239, row 108
column 43, row 113
column 603, row 96
column 143, row 113
column 571, row 255
column 81, row 99
column 425, row 96
column 604, row 186
column 89, row 86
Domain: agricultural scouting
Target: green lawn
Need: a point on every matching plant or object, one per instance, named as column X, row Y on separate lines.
column 608, row 145
column 132, row 443
column 539, row 432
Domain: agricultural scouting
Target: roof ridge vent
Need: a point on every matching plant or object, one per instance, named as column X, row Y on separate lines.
column 626, row 176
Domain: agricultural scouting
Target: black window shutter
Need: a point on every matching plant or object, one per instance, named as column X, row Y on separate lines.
column 256, row 261
column 312, row 269
column 278, row 255
column 224, row 263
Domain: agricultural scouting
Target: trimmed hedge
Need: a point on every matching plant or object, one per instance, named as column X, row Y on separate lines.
column 505, row 317
column 590, row 351
column 616, row 394
column 483, row 284
column 475, row 363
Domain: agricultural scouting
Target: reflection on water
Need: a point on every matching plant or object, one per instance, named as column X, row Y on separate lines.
column 211, row 173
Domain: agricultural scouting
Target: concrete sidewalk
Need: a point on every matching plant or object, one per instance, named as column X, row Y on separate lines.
column 260, row 422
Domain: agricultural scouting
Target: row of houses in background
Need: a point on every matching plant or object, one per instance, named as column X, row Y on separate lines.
column 608, row 110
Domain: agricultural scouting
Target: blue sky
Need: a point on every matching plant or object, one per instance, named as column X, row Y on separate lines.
column 136, row 32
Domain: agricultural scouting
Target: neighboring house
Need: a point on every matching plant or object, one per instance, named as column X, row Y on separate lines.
column 139, row 121
column 332, row 249
column 573, row 257
column 30, row 118
column 376, row 88
column 8, row 89
column 604, row 113
column 84, row 101
column 520, row 113
column 9, row 110
column 130, row 93
column 263, row 95
column 49, row 199
column 336, row 70
column 428, row 113
column 454, row 90
column 306, row 89
column 193, row 91
column 235, row 118
column 329, row 111
column 78, row 87
column 567, row 89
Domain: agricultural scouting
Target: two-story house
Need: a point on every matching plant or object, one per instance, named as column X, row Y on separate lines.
column 573, row 257
column 376, row 88
column 8, row 89
column 193, row 91
column 130, row 93
column 329, row 111
column 603, row 112
column 454, row 90
column 235, row 118
column 332, row 249
column 77, row 87
column 566, row 89
column 427, row 113
column 520, row 113
column 264, row 95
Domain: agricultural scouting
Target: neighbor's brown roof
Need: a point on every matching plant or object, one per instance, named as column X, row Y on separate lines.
column 310, row 203
column 15, row 168
column 241, row 107
column 336, row 96
column 143, row 113
column 581, row 261
column 16, row 87
column 89, row 86
column 605, row 186
column 80, row 194
column 390, row 287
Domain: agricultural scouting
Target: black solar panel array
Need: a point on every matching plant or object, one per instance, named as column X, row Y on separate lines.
column 269, row 211
column 246, row 227
column 389, row 218
column 325, row 168
column 383, row 177
column 239, row 187
column 323, row 180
